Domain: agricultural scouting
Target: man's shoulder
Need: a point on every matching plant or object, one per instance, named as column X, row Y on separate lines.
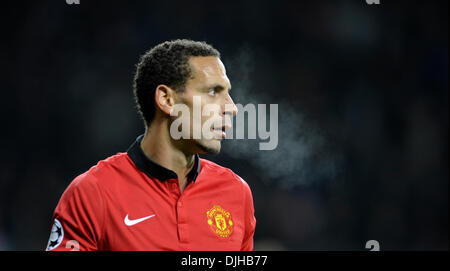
column 223, row 171
column 104, row 170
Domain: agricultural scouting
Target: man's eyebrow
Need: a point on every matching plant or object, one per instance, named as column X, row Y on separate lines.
column 218, row 86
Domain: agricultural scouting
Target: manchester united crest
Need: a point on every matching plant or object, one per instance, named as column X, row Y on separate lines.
column 219, row 220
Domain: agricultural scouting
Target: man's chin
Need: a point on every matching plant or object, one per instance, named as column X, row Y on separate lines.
column 209, row 146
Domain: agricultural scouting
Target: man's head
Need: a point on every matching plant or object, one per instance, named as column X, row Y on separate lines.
column 175, row 72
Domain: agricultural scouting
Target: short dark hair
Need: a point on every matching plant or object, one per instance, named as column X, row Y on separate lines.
column 166, row 63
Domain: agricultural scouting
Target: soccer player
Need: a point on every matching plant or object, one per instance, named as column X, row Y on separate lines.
column 160, row 195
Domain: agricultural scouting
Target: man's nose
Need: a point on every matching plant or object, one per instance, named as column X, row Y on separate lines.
column 229, row 107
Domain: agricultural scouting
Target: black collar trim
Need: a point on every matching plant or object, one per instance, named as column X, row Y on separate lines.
column 153, row 169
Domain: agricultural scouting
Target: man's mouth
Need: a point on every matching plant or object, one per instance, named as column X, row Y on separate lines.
column 220, row 131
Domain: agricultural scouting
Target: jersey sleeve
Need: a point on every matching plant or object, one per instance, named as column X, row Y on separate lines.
column 78, row 217
column 250, row 220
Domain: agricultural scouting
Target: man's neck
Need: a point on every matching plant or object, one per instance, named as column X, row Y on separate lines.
column 158, row 146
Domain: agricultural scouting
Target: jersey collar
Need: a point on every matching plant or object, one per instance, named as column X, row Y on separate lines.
column 153, row 169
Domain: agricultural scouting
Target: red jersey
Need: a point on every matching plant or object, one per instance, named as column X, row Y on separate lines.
column 129, row 202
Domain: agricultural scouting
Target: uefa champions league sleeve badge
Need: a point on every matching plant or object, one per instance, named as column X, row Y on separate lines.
column 56, row 236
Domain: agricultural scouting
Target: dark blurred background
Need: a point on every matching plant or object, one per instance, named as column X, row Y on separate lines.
column 363, row 108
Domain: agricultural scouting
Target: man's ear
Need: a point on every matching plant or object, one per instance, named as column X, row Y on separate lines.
column 164, row 98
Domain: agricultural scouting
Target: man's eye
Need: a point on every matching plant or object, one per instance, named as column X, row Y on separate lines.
column 212, row 92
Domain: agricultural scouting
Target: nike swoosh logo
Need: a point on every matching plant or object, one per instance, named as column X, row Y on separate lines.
column 132, row 222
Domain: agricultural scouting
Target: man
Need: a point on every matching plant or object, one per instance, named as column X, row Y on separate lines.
column 160, row 195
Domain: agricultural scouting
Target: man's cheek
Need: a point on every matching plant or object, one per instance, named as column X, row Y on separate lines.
column 211, row 121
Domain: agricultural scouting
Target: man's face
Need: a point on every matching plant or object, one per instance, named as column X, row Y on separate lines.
column 210, row 85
